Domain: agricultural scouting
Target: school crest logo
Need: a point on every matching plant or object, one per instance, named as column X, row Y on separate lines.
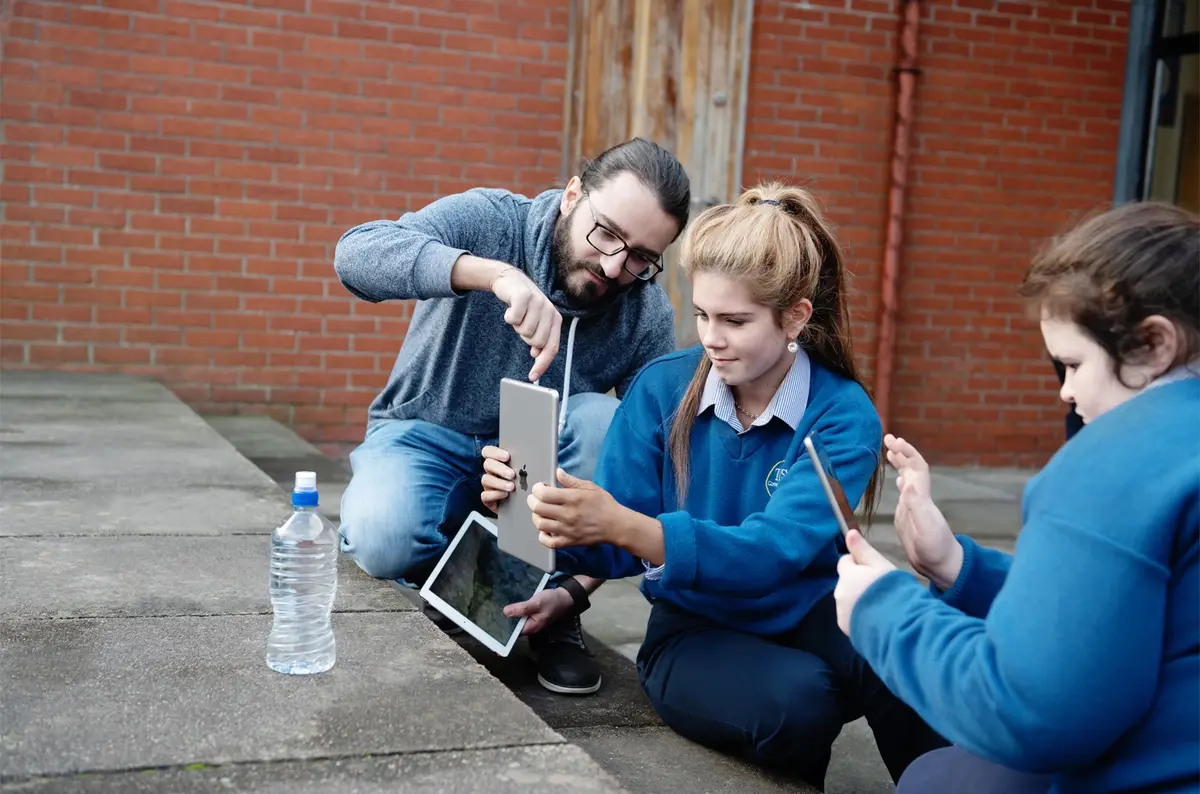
column 775, row 476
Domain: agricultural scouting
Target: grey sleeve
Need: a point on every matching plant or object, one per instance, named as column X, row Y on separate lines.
column 411, row 258
column 658, row 340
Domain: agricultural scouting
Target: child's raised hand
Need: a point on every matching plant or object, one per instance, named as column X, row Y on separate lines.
column 928, row 541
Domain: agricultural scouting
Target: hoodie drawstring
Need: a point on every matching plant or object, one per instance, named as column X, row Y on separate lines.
column 566, row 390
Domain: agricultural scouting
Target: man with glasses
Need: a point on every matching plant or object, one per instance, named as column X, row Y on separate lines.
column 476, row 262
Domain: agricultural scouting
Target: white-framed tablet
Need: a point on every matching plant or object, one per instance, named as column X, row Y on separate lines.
column 474, row 581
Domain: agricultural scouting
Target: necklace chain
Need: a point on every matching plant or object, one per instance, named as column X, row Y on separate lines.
column 743, row 410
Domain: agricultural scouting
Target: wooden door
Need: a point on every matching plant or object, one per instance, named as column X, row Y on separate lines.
column 673, row 71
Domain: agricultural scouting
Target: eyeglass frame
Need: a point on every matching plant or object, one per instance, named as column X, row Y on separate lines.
column 653, row 267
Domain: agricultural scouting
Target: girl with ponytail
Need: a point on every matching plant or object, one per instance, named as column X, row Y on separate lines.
column 703, row 485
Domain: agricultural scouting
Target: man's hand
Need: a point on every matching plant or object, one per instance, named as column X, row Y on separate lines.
column 546, row 607
column 857, row 571
column 533, row 316
column 498, row 479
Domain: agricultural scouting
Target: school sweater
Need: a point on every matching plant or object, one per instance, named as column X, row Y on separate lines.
column 755, row 543
column 1080, row 654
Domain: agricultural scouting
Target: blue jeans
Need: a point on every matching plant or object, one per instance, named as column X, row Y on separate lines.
column 413, row 482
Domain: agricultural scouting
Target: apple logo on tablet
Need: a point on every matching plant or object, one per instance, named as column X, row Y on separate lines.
column 523, row 476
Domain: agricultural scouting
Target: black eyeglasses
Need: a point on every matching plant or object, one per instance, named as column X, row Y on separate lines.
column 638, row 263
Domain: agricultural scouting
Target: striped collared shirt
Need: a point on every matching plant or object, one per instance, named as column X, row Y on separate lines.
column 789, row 402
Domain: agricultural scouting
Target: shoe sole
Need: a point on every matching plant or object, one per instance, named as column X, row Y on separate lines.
column 565, row 690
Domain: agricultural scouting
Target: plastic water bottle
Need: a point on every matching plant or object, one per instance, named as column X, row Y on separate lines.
column 304, row 553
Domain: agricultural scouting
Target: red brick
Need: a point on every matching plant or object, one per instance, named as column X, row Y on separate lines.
column 58, row 354
column 107, row 335
column 17, row 312
column 252, row 57
column 65, row 155
column 59, row 313
column 64, row 195
column 12, row 329
column 211, row 301
column 212, row 338
column 65, row 235
column 239, row 322
column 127, row 162
column 121, row 355
column 184, row 243
column 118, row 241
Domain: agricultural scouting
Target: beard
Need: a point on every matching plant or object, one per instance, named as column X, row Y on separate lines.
column 562, row 259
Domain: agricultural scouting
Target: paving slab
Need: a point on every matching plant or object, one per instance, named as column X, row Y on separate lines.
column 152, row 468
column 114, row 694
column 158, row 576
column 94, row 386
column 619, row 613
column 45, row 421
column 855, row 766
column 35, row 506
column 651, row 760
column 966, row 489
column 276, row 450
column 263, row 437
column 539, row 769
column 1007, row 480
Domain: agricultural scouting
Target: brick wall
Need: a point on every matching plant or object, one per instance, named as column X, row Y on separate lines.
column 176, row 175
column 1017, row 118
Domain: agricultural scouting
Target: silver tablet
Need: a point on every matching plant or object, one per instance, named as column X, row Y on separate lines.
column 473, row 583
column 842, row 510
column 529, row 433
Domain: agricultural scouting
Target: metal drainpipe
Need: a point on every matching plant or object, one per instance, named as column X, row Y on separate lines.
column 906, row 79
column 566, row 167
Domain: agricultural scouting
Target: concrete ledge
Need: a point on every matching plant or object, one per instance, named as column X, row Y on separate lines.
column 674, row 764
column 547, row 769
column 104, row 695
column 155, row 576
column 38, row 506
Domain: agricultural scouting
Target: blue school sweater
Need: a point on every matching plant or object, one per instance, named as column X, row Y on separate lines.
column 754, row 545
column 1080, row 654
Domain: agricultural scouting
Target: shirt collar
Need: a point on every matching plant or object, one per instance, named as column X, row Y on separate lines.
column 1181, row 372
column 788, row 403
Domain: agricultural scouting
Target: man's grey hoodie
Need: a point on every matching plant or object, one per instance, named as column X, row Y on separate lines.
column 458, row 346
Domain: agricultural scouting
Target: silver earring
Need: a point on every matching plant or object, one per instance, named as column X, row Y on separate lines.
column 793, row 346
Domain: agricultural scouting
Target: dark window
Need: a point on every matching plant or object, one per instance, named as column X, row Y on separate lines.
column 1171, row 157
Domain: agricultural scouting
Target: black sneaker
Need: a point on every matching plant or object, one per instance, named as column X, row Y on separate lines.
column 564, row 663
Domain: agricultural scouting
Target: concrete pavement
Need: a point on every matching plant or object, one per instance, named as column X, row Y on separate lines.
column 133, row 570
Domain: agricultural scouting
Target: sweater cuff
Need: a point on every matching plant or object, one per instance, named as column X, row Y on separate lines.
column 886, row 599
column 964, row 594
column 431, row 271
column 679, row 542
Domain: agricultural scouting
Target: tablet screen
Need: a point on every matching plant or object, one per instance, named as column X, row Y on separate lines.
column 479, row 580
